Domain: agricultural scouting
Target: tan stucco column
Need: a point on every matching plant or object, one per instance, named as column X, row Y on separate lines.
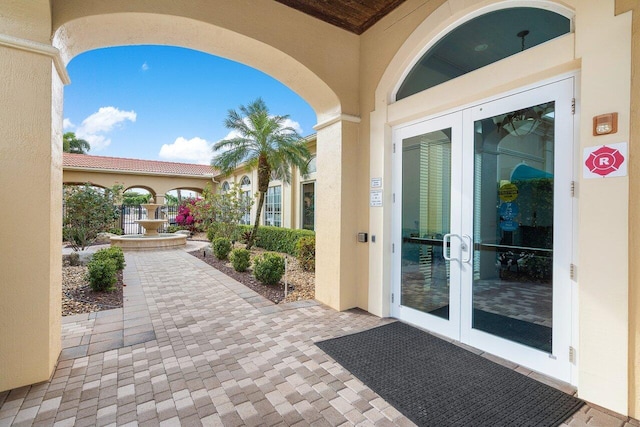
column 336, row 214
column 31, row 197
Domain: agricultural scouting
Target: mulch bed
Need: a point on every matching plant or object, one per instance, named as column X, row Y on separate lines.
column 81, row 299
column 274, row 293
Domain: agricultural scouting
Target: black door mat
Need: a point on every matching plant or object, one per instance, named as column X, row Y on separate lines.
column 436, row 383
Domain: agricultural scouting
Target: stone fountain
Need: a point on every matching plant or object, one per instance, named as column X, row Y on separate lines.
column 151, row 239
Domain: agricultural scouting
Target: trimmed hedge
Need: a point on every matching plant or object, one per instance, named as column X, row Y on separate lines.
column 278, row 239
column 101, row 274
column 240, row 259
column 221, row 247
column 268, row 268
column 114, row 253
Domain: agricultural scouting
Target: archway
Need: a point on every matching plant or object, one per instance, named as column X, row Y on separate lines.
column 260, row 37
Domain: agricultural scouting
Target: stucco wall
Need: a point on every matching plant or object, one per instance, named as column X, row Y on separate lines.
column 30, row 173
column 157, row 185
column 599, row 51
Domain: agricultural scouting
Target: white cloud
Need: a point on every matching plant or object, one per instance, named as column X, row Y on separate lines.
column 144, row 67
column 106, row 119
column 195, row 150
column 67, row 125
column 293, row 124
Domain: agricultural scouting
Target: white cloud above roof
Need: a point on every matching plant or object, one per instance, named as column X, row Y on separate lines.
column 95, row 127
column 194, row 150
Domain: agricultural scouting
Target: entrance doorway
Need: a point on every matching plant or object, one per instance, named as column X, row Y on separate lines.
column 483, row 226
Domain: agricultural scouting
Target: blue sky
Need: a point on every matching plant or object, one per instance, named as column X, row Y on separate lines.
column 166, row 103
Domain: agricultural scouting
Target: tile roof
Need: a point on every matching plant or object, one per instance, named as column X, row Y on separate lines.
column 86, row 161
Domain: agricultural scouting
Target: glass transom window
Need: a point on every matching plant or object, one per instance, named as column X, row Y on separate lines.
column 483, row 41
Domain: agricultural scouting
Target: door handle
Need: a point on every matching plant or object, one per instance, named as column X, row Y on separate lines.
column 447, row 239
column 468, row 248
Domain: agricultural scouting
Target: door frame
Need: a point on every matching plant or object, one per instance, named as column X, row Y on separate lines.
column 572, row 163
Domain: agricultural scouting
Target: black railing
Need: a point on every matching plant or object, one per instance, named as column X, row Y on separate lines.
column 127, row 215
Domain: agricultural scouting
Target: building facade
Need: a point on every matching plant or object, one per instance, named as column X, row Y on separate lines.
column 290, row 205
column 485, row 146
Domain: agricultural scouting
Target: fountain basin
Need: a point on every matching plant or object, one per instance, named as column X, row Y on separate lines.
column 140, row 242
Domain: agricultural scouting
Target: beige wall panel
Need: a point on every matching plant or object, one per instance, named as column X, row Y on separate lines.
column 603, row 209
column 29, row 20
column 634, row 211
column 157, row 185
column 30, row 272
column 336, row 210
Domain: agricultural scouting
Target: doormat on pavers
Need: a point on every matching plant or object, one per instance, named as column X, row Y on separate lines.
column 436, row 383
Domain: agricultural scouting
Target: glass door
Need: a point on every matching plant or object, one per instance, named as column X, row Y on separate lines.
column 483, row 226
column 428, row 204
column 517, row 289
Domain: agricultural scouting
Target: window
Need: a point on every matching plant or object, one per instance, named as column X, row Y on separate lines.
column 225, row 186
column 483, row 41
column 273, row 207
column 245, row 186
column 309, row 205
column 311, row 166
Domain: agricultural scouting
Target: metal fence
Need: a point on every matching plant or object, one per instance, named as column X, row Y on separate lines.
column 129, row 214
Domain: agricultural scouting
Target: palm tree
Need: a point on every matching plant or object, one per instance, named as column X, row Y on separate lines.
column 72, row 144
column 265, row 143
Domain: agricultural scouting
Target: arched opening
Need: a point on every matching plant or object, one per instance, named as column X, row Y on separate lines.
column 81, row 34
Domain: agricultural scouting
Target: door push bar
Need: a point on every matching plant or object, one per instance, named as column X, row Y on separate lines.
column 466, row 245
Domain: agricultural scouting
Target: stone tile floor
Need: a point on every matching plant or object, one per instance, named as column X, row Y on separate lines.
column 216, row 354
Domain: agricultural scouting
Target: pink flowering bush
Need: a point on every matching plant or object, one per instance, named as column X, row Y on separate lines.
column 185, row 217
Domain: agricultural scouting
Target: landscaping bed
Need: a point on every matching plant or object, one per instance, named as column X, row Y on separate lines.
column 301, row 283
column 78, row 298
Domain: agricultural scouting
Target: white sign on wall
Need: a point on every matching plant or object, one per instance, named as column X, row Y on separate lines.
column 605, row 161
column 376, row 182
column 375, row 198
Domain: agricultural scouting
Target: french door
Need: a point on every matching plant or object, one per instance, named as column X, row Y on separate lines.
column 483, row 226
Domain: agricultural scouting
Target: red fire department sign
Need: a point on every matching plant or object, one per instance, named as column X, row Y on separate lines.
column 605, row 161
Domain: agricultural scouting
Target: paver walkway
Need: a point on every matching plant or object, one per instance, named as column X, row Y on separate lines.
column 217, row 354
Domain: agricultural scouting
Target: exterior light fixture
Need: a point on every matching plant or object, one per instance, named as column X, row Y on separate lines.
column 605, row 124
column 521, row 122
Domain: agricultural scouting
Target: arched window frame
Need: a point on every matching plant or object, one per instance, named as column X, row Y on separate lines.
column 225, row 186
column 506, row 4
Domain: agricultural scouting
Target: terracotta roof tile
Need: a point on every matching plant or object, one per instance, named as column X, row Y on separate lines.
column 134, row 165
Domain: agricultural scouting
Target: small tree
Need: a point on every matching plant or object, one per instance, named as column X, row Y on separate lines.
column 265, row 143
column 88, row 211
column 72, row 144
column 223, row 210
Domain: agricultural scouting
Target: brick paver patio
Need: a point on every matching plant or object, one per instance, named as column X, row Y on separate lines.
column 193, row 347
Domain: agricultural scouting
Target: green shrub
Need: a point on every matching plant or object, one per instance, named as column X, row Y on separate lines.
column 114, row 253
column 268, row 268
column 102, row 274
column 306, row 253
column 221, row 247
column 116, row 230
column 277, row 239
column 173, row 228
column 240, row 259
